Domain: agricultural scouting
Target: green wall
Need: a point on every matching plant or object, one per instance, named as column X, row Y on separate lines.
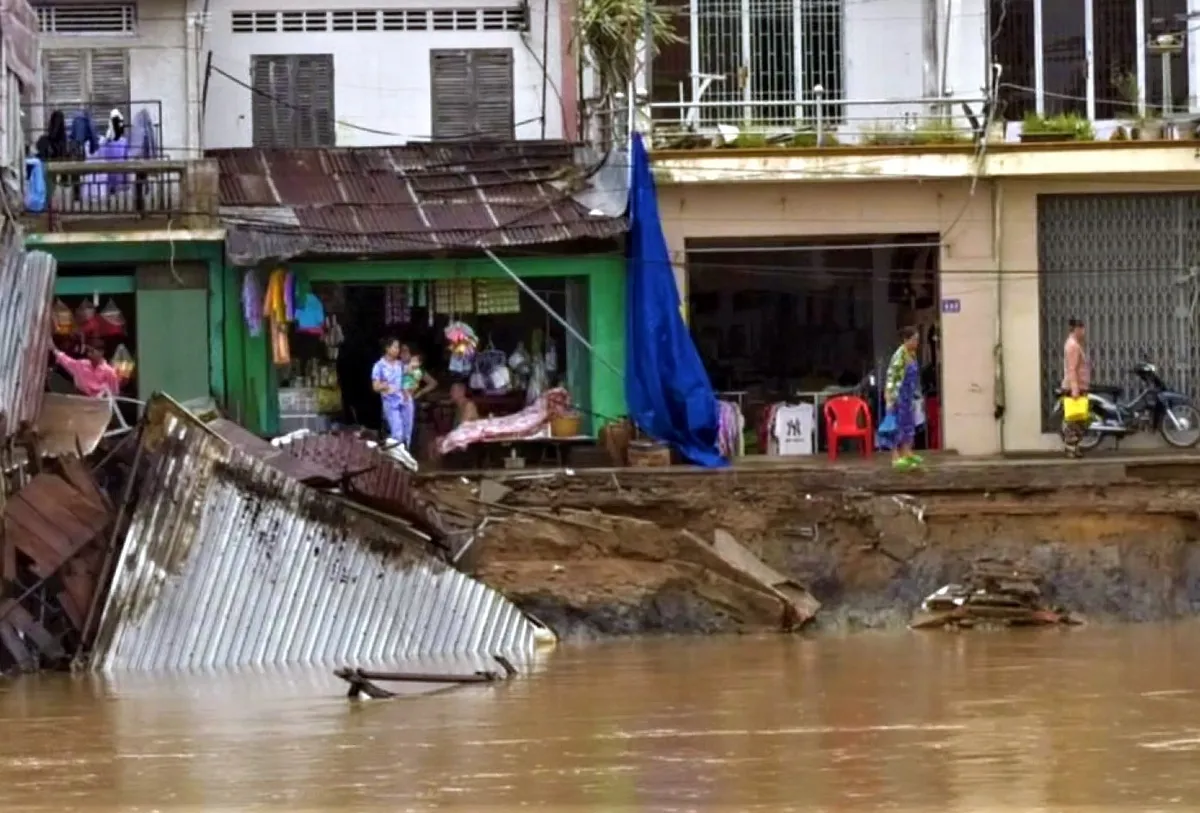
column 251, row 386
column 179, row 322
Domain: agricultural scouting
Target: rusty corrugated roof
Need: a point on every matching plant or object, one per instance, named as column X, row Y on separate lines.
column 382, row 481
column 309, row 473
column 403, row 200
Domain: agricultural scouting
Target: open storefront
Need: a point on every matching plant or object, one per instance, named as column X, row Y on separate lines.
column 783, row 325
column 319, row 356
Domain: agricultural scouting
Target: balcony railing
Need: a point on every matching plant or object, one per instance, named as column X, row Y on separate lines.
column 878, row 122
column 184, row 191
column 817, row 123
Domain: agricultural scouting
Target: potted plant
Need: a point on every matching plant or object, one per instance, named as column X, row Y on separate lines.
column 1142, row 125
column 1061, row 127
column 939, row 131
column 615, row 38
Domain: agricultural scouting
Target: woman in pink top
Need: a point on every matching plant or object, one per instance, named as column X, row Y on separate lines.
column 93, row 376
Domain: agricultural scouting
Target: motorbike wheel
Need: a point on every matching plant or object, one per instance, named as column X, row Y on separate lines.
column 1187, row 434
column 1090, row 441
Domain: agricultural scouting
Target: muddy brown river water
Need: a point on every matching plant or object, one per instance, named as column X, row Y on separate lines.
column 1081, row 719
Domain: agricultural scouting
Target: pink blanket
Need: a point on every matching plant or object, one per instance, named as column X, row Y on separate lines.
column 519, row 425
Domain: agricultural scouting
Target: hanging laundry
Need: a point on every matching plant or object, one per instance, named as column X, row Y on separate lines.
column 143, row 137
column 113, row 147
column 281, row 351
column 252, row 304
column 81, row 138
column 36, row 192
column 310, row 318
column 274, row 301
column 289, row 296
column 53, row 144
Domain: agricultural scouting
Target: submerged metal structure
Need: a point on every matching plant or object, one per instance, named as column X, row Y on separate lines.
column 228, row 561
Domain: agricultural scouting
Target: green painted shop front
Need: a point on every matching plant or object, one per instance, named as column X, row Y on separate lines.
column 251, row 388
column 178, row 296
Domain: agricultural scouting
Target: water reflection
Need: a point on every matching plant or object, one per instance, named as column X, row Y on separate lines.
column 1029, row 721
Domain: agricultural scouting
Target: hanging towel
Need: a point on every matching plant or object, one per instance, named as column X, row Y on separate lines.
column 289, row 296
column 143, row 139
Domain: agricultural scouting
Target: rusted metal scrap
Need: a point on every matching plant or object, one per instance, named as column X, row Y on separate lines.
column 362, row 681
column 51, row 564
column 995, row 592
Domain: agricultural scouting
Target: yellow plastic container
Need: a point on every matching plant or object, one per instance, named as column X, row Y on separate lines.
column 1076, row 409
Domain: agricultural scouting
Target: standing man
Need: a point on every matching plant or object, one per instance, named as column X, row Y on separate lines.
column 1077, row 377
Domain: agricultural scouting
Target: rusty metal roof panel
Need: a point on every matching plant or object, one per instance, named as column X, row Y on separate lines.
column 374, row 475
column 228, row 562
column 404, row 200
column 26, row 297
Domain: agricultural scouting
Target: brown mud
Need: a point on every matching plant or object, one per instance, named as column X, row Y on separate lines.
column 1111, row 540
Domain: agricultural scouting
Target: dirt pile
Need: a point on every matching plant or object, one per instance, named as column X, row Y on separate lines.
column 1105, row 545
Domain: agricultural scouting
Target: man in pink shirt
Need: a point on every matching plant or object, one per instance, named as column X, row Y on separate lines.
column 93, row 376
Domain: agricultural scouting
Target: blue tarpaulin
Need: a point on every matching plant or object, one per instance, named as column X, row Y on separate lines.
column 666, row 387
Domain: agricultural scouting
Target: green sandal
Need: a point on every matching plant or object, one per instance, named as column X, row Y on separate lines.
column 916, row 459
column 904, row 464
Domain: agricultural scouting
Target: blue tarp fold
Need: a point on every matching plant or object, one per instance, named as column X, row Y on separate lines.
column 667, row 389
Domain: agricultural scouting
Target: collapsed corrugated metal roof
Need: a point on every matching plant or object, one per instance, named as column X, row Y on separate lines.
column 26, row 294
column 229, row 562
column 370, row 477
column 414, row 199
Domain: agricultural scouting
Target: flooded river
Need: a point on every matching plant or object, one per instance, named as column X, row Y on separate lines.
column 1087, row 719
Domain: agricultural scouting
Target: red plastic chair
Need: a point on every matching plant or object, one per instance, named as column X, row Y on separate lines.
column 849, row 417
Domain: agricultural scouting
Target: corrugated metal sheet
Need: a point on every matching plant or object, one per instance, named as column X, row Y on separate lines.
column 403, row 200
column 228, row 562
column 26, row 294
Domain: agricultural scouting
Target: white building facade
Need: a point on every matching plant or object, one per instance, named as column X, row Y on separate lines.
column 242, row 73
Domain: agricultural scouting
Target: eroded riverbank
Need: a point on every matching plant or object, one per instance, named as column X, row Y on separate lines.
column 1111, row 540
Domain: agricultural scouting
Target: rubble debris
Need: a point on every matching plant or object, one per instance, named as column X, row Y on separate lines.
column 995, row 593
column 51, row 564
column 362, row 681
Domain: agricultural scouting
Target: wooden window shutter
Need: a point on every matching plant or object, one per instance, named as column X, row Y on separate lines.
column 108, row 84
column 63, row 82
column 293, row 103
column 494, row 93
column 472, row 93
column 452, row 105
column 312, row 95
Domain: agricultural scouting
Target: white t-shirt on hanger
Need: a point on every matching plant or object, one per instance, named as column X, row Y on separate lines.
column 794, row 429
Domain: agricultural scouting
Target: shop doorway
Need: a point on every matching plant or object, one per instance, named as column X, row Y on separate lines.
column 785, row 321
column 504, row 317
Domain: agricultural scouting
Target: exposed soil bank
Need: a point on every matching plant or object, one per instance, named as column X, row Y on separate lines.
column 1112, row 541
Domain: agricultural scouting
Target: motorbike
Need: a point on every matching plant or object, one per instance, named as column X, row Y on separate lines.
column 1156, row 407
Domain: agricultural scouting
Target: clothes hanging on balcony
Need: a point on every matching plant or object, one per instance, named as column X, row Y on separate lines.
column 113, row 147
column 143, row 142
column 81, row 138
column 36, row 193
column 52, row 145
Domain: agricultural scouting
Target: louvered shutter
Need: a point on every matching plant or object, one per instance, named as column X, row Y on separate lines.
column 493, row 81
column 108, row 75
column 312, row 95
column 63, row 83
column 452, row 105
column 270, row 120
column 293, row 103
